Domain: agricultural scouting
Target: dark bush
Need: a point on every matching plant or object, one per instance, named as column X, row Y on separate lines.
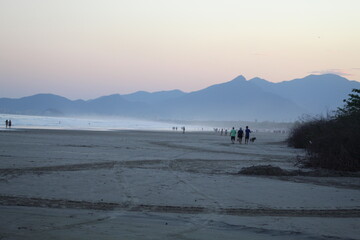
column 331, row 142
column 303, row 133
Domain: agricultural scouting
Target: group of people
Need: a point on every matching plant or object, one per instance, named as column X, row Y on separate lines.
column 176, row 128
column 240, row 135
column 222, row 131
column 8, row 123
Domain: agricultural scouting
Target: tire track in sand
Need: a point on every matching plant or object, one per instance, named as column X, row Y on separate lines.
column 106, row 206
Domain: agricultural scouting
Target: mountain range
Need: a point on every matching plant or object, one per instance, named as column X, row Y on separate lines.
column 238, row 99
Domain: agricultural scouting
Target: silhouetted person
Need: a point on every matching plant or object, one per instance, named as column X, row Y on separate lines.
column 183, row 128
column 232, row 135
column 225, row 132
column 247, row 135
column 7, row 123
column 240, row 135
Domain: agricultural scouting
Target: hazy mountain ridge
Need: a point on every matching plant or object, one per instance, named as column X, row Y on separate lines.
column 315, row 93
column 238, row 99
column 39, row 104
column 152, row 98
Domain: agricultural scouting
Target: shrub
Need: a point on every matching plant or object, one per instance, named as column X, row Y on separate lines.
column 332, row 142
column 303, row 133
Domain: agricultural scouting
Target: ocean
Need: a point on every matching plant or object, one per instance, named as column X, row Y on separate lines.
column 89, row 123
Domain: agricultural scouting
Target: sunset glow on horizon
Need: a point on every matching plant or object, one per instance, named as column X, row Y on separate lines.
column 86, row 49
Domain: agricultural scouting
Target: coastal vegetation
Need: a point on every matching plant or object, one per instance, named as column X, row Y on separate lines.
column 332, row 142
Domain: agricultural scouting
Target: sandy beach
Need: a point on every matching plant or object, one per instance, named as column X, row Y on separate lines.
column 68, row 184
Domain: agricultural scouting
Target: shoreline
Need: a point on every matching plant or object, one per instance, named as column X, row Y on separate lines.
column 123, row 123
column 44, row 129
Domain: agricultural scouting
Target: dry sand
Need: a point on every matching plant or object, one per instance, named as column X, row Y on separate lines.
column 62, row 184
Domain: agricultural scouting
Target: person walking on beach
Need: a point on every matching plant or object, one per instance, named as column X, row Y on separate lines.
column 247, row 135
column 240, row 135
column 7, row 123
column 233, row 135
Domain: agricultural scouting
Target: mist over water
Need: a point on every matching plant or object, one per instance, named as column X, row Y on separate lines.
column 89, row 123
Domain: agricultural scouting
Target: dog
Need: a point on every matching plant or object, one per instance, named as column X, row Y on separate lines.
column 252, row 139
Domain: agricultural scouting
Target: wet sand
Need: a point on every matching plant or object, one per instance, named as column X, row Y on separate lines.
column 66, row 184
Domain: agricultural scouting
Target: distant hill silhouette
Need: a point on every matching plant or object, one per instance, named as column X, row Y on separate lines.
column 153, row 98
column 114, row 105
column 39, row 104
column 238, row 99
column 315, row 93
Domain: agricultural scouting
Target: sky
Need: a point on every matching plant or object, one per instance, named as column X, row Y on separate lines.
column 84, row 49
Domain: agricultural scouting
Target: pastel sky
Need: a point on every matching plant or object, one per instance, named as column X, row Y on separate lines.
column 89, row 48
